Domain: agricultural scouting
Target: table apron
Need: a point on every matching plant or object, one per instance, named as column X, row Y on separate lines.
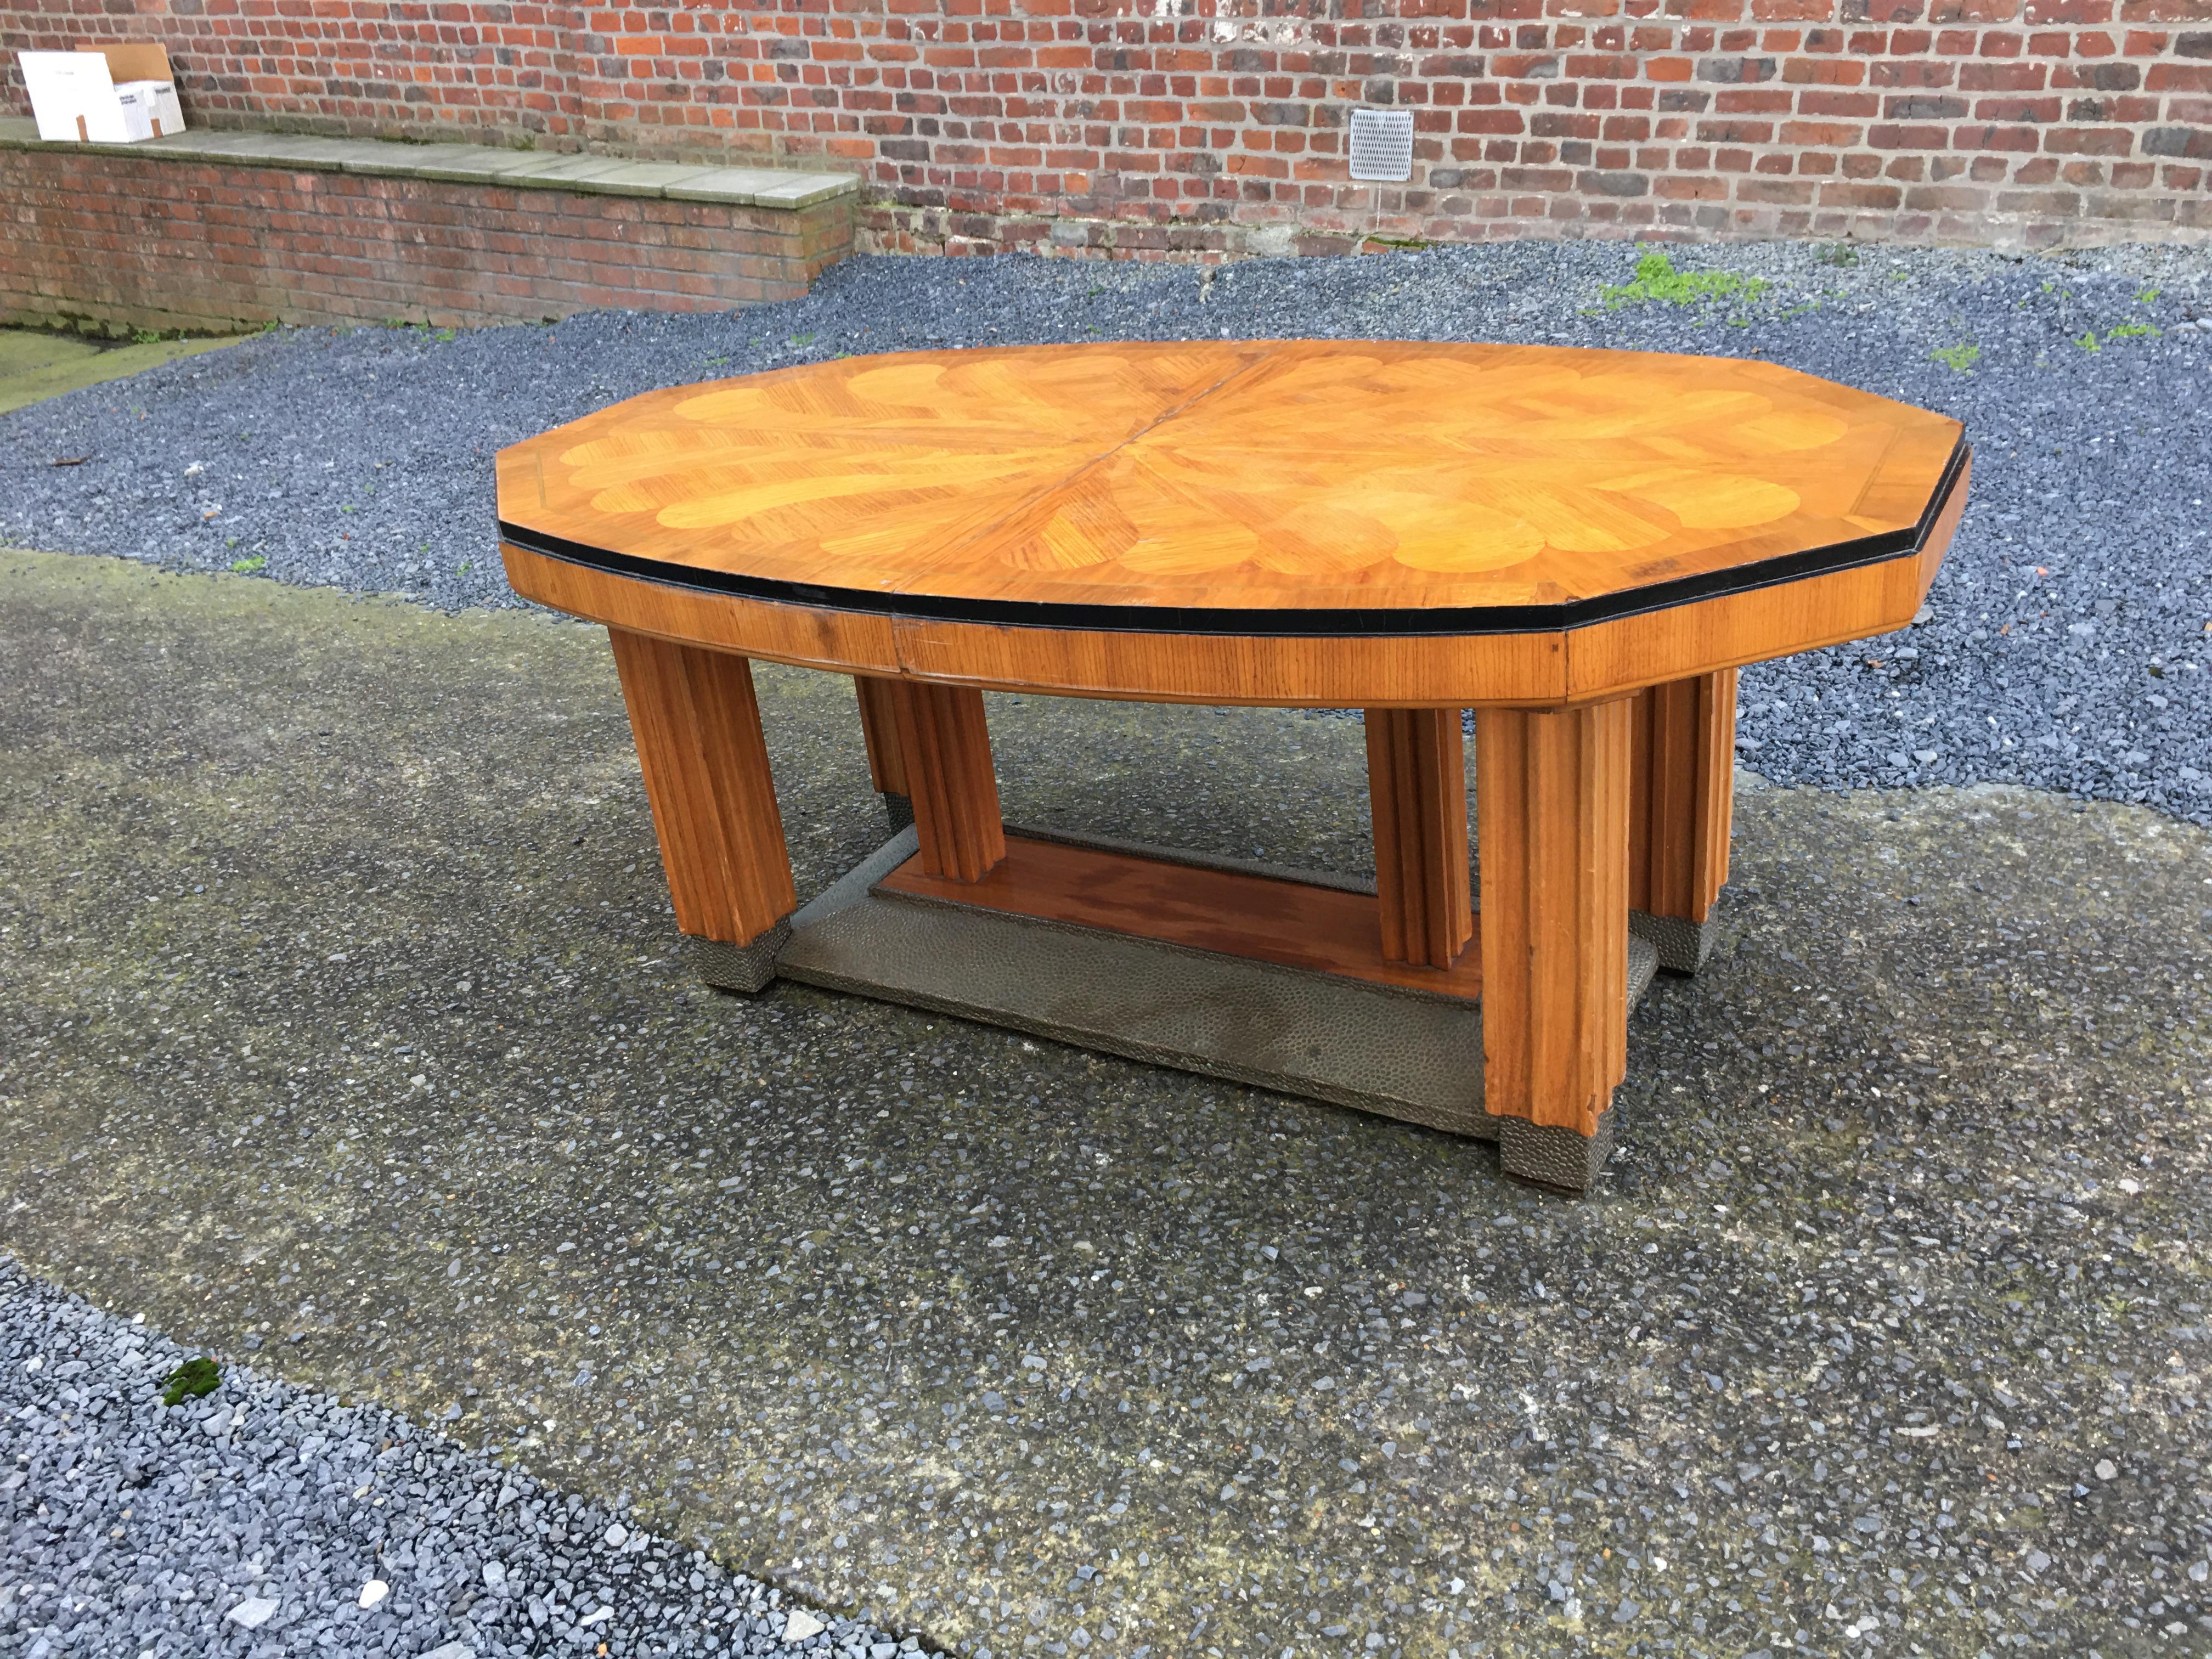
column 1553, row 669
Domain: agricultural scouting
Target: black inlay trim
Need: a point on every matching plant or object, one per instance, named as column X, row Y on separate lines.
column 1198, row 619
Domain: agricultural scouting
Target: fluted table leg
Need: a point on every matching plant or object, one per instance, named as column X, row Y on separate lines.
column 1552, row 804
column 945, row 748
column 886, row 763
column 1681, row 796
column 1417, row 784
column 698, row 726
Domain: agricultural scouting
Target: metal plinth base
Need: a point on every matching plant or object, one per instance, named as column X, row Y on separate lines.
column 1401, row 1054
column 746, row 968
column 1558, row 1160
column 1682, row 945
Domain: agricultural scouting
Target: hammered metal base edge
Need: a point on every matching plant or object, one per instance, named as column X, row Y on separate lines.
column 1557, row 1160
column 747, row 968
column 1369, row 1047
column 1682, row 945
column 1416, row 1060
column 1643, row 968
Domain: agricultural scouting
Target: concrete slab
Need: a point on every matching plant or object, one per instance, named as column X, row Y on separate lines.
column 754, row 186
column 465, row 164
column 459, row 161
column 612, row 175
column 640, row 179
column 198, row 142
column 280, row 149
column 805, row 190
column 22, row 133
column 562, row 172
column 339, row 990
column 40, row 363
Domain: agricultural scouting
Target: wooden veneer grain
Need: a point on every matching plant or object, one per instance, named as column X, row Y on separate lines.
column 699, row 743
column 945, row 747
column 1417, row 789
column 1273, row 475
column 1264, row 918
column 1682, row 795
column 1551, row 806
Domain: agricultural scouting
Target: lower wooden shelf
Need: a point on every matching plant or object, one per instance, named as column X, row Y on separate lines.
column 1293, row 924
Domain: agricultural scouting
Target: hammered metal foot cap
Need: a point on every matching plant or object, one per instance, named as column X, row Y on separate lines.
column 746, row 968
column 1558, row 1160
column 1682, row 945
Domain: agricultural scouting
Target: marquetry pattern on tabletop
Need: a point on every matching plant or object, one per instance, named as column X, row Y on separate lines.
column 1260, row 474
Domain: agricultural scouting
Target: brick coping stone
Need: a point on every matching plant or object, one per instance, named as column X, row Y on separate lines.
column 607, row 175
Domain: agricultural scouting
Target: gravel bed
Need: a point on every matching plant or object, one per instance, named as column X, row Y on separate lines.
column 2064, row 646
column 265, row 1519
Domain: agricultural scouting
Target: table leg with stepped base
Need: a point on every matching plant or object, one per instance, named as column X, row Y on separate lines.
column 1416, row 786
column 1552, row 811
column 1681, row 796
column 879, row 730
column 945, row 748
column 698, row 732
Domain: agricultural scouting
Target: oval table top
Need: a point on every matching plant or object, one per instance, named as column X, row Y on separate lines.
column 1429, row 522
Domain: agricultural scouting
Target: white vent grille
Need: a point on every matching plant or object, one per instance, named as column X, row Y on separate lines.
column 1383, row 145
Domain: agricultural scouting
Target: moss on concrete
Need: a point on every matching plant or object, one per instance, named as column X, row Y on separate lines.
column 40, row 363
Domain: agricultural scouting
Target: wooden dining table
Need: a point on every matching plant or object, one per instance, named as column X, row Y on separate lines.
column 1581, row 547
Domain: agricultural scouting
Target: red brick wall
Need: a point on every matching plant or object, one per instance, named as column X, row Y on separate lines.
column 1203, row 126
column 177, row 245
column 356, row 67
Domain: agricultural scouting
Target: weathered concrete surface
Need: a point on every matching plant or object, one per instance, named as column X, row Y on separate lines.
column 37, row 363
column 339, row 1013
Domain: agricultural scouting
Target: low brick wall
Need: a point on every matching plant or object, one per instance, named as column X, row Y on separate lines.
column 1204, row 129
column 215, row 246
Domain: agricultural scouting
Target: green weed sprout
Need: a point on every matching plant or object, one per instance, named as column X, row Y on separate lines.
column 1657, row 280
column 191, row 1380
column 1960, row 357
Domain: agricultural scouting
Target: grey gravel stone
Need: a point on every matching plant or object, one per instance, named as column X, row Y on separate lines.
column 2065, row 645
column 252, row 1612
column 124, row 1531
